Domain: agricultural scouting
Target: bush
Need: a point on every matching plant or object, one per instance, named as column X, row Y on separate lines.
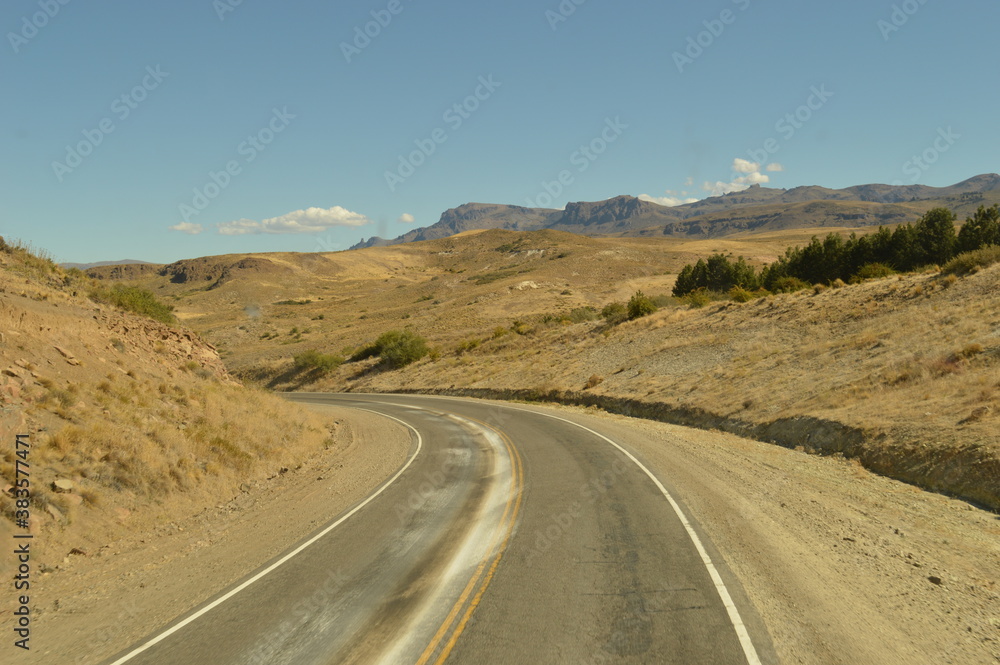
column 970, row 262
column 788, row 285
column 314, row 360
column 134, row 299
column 697, row 298
column 615, row 313
column 396, row 348
column 739, row 294
column 400, row 348
column 581, row 314
column 663, row 300
column 640, row 305
column 873, row 271
column 468, row 345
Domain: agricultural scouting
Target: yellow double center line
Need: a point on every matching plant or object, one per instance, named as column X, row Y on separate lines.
column 477, row 585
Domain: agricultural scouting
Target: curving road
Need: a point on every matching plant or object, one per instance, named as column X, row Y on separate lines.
column 510, row 535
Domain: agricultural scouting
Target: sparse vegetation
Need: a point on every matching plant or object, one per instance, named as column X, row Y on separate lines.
column 969, row 262
column 313, row 360
column 134, row 299
column 615, row 313
column 640, row 305
column 396, row 348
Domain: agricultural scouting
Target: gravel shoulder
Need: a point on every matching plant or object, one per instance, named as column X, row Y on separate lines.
column 844, row 566
column 94, row 606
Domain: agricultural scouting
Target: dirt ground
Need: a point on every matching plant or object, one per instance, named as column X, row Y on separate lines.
column 843, row 565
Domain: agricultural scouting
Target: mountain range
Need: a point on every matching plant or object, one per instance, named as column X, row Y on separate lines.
column 753, row 209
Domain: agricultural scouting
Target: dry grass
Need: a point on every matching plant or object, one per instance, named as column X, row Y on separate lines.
column 138, row 415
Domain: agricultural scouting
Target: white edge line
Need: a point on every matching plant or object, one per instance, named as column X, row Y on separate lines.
column 734, row 614
column 167, row 633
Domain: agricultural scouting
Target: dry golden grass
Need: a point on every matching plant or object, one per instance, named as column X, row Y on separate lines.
column 912, row 357
column 138, row 415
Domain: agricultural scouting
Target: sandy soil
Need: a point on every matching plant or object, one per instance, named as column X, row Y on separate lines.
column 96, row 605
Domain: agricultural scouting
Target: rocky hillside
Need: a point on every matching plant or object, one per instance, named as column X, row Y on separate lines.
column 755, row 209
column 129, row 419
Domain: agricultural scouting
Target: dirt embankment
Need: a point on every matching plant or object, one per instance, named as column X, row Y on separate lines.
column 970, row 472
column 129, row 420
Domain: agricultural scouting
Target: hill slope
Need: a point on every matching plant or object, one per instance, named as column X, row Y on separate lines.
column 754, row 208
column 138, row 421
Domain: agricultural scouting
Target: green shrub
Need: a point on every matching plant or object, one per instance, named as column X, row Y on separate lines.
column 970, row 262
column 873, row 271
column 640, row 305
column 739, row 294
column 468, row 345
column 314, row 360
column 788, row 285
column 581, row 314
column 520, row 327
column 615, row 313
column 365, row 352
column 399, row 348
column 697, row 298
column 134, row 299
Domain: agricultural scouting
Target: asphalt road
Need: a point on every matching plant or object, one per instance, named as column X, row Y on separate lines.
column 510, row 535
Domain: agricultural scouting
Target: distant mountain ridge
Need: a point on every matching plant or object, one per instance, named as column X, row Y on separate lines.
column 98, row 264
column 756, row 208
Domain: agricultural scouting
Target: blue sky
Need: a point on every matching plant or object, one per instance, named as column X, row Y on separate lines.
column 161, row 131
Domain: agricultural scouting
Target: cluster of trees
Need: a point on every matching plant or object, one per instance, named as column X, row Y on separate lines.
column 931, row 241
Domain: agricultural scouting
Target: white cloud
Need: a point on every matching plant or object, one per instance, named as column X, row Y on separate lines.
column 406, row 218
column 752, row 176
column 310, row 220
column 188, row 227
column 670, row 201
column 775, row 167
column 745, row 166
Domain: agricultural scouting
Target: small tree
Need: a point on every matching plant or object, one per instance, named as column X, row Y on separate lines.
column 936, row 236
column 982, row 229
column 640, row 305
column 399, row 348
